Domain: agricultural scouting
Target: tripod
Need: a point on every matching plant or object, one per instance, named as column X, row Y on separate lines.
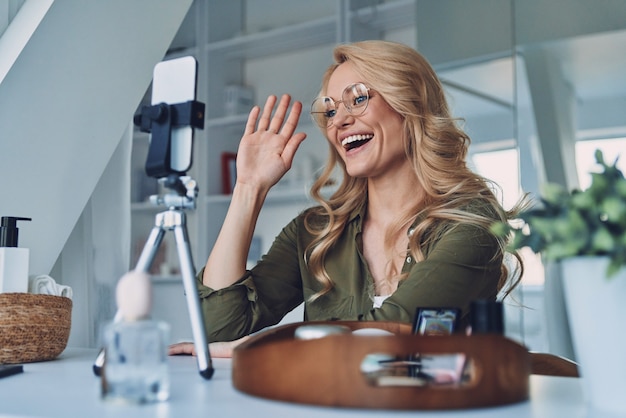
column 175, row 219
column 169, row 157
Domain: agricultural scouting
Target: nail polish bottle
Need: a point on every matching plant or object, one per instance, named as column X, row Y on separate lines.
column 487, row 317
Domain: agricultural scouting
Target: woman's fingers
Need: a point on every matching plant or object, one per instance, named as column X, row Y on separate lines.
column 251, row 123
column 279, row 116
column 181, row 348
column 291, row 147
column 292, row 121
column 274, row 124
column 217, row 349
column 265, row 120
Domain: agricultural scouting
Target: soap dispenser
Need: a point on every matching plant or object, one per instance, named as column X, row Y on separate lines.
column 13, row 260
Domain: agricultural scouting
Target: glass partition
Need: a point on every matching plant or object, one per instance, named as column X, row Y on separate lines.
column 531, row 79
column 570, row 87
column 471, row 44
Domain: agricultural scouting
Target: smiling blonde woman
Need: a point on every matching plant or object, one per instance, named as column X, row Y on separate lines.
column 407, row 227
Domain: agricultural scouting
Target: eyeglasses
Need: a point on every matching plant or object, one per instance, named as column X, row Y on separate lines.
column 355, row 98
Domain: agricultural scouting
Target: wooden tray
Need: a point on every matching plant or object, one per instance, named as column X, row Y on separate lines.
column 327, row 371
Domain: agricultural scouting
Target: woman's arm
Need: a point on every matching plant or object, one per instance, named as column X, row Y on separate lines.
column 265, row 154
column 261, row 297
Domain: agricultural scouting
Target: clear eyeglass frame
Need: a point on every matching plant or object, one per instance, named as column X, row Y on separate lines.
column 355, row 99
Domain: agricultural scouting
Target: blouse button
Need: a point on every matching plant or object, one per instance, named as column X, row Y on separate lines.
column 408, row 259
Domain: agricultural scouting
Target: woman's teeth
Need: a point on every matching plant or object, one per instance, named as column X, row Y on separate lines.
column 354, row 141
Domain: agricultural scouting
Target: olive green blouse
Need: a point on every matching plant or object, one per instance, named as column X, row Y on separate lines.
column 457, row 269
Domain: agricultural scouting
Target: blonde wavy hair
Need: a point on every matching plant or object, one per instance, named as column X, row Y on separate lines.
column 436, row 148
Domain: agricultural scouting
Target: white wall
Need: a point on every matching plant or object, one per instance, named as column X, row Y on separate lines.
column 64, row 105
column 66, row 101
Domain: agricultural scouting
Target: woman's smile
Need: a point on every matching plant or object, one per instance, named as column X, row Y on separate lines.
column 355, row 141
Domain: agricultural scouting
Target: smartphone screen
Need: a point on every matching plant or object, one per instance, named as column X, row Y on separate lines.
column 174, row 81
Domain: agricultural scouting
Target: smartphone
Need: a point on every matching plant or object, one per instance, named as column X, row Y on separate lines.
column 174, row 81
column 435, row 321
column 10, row 369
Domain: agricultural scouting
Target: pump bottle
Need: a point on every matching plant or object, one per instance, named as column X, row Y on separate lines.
column 13, row 260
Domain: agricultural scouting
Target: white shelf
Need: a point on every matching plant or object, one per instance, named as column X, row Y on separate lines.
column 158, row 279
column 387, row 16
column 226, row 121
column 276, row 41
column 145, row 207
column 278, row 194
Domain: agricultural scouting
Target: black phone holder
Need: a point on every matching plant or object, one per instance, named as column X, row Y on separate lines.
column 158, row 120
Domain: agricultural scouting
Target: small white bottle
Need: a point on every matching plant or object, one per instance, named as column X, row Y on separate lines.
column 13, row 260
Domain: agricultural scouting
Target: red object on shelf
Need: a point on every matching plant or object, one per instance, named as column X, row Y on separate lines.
column 229, row 172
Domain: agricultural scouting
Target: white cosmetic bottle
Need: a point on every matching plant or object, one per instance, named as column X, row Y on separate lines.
column 13, row 260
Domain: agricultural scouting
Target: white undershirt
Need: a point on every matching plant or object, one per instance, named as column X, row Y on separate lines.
column 378, row 301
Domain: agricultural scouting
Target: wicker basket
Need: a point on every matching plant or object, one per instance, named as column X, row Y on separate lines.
column 33, row 327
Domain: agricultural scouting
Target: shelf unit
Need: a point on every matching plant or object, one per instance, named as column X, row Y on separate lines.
column 226, row 55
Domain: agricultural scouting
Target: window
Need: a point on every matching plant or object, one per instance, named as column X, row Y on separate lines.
column 586, row 161
column 502, row 167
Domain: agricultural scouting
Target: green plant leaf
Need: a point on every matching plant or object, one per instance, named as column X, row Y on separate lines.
column 613, row 267
column 614, row 208
column 577, row 223
column 583, row 200
column 599, row 184
column 560, row 250
column 602, row 241
column 500, row 229
column 620, row 188
column 553, row 193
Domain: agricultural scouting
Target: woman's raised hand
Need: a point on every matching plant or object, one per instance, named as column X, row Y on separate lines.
column 269, row 143
column 265, row 153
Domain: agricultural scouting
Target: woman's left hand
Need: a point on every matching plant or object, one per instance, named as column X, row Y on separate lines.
column 217, row 350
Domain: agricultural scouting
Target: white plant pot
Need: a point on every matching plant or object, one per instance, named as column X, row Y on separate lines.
column 596, row 308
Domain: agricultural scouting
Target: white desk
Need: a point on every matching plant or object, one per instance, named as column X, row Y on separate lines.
column 67, row 387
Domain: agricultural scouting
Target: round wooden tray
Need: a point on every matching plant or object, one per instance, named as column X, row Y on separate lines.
column 328, row 371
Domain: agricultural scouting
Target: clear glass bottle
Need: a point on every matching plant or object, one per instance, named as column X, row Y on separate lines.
column 135, row 368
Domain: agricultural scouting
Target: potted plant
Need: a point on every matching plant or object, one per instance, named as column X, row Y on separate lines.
column 591, row 222
column 585, row 232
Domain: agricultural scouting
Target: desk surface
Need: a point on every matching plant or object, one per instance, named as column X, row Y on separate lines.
column 66, row 387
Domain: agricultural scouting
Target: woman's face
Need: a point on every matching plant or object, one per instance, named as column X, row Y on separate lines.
column 370, row 143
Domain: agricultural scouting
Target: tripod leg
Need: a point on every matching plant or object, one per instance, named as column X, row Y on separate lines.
column 143, row 264
column 193, row 302
column 151, row 247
